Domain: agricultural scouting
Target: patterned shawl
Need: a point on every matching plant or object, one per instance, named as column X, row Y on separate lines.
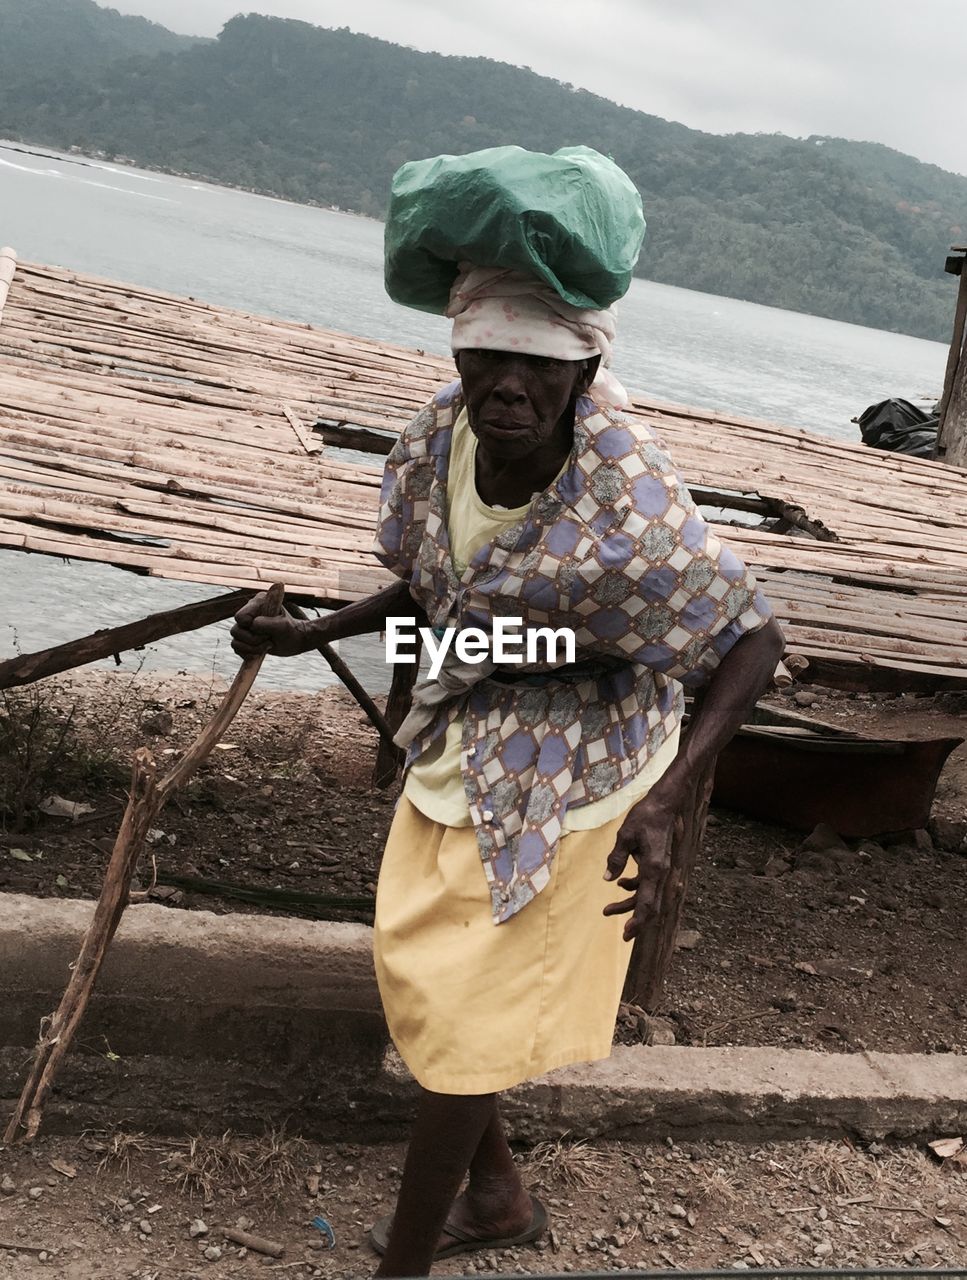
column 616, row 550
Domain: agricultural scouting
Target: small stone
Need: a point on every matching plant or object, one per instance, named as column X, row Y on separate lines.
column 35, row 1193
column 948, row 834
column 157, row 722
column 678, row 1211
column 803, row 698
column 212, row 1253
column 244, row 1224
column 687, row 939
column 144, row 1226
column 823, row 1213
column 775, row 868
column 655, row 1031
column 197, row 1228
column 823, row 839
column 823, row 1249
column 7, row 1185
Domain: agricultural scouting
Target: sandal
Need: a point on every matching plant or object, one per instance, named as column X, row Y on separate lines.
column 464, row 1243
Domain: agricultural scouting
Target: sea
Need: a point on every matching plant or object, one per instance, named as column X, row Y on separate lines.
column 325, row 267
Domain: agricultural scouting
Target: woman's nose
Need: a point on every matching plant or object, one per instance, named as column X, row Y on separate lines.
column 509, row 388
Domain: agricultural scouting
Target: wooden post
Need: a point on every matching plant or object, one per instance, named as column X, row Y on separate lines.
column 654, row 948
column 952, row 430
column 389, row 758
column 26, row 668
column 8, row 265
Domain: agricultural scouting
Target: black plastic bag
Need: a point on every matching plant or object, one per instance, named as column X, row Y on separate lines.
column 900, row 427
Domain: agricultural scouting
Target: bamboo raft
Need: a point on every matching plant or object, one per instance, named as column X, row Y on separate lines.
column 190, row 441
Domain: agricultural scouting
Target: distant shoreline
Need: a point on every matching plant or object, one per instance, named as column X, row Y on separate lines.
column 100, row 159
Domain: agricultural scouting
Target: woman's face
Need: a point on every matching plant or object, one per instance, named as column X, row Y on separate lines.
column 515, row 403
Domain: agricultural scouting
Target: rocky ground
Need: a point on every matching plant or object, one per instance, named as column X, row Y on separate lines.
column 133, row 1207
column 820, row 944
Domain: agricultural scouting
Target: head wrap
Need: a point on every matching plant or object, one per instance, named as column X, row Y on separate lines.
column 497, row 309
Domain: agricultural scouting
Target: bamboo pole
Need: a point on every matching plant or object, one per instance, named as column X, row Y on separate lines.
column 146, row 799
column 8, row 265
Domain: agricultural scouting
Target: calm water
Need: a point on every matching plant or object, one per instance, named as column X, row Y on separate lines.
column 314, row 265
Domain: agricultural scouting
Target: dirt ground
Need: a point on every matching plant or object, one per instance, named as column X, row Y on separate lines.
column 859, row 948
column 124, row 1207
column 863, row 948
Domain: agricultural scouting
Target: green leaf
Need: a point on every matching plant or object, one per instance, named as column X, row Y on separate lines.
column 61, row 882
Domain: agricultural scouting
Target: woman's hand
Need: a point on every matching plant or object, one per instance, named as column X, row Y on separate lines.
column 256, row 632
column 646, row 836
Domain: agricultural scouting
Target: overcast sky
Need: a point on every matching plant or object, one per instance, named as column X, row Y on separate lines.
column 888, row 71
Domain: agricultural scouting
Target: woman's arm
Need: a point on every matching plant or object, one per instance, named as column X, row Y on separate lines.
column 286, row 637
column 646, row 833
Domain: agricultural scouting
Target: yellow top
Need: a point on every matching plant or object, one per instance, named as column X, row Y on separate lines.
column 434, row 782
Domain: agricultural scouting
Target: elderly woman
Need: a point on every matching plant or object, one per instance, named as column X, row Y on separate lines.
column 501, row 946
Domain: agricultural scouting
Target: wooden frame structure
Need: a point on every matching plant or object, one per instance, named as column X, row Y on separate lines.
column 188, row 441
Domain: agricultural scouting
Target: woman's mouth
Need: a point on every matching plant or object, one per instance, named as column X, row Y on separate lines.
column 505, row 428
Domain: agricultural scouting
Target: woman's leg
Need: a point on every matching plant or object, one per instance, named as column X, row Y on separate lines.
column 453, row 1134
column 496, row 1202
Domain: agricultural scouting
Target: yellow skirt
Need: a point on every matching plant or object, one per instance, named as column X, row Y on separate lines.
column 475, row 1007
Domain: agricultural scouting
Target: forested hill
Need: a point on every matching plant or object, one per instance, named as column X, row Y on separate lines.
column 41, row 37
column 854, row 231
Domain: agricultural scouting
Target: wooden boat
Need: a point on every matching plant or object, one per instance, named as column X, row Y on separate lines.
column 796, row 772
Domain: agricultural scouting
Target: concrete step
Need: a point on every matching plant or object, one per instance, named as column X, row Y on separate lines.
column 231, row 1021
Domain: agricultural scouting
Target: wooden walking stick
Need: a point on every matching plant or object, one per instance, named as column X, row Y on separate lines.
column 146, row 799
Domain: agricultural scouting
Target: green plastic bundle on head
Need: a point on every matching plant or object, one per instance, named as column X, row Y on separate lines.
column 573, row 219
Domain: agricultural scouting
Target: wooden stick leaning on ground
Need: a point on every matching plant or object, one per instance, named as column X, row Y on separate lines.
column 146, row 799
column 339, row 668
